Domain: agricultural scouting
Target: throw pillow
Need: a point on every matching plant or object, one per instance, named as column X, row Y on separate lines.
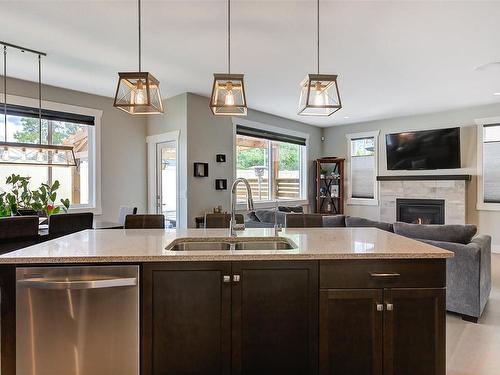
column 448, row 233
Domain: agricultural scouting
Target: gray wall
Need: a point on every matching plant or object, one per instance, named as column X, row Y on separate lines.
column 175, row 119
column 335, row 144
column 210, row 135
column 123, row 154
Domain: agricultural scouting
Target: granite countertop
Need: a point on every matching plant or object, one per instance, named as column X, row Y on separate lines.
column 139, row 245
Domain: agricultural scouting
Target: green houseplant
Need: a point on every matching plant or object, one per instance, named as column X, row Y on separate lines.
column 44, row 199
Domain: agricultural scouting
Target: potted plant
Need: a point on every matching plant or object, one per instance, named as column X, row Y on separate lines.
column 322, row 173
column 44, row 199
column 19, row 198
column 4, row 206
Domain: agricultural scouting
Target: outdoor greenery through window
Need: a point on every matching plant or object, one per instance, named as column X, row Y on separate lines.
column 74, row 181
column 362, row 167
column 273, row 168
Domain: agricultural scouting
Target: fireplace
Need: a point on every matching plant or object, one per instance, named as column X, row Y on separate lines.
column 420, row 211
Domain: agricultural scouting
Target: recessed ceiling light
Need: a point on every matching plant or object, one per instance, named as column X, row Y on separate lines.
column 346, row 117
column 496, row 93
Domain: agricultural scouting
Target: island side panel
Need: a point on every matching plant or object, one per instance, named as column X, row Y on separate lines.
column 8, row 319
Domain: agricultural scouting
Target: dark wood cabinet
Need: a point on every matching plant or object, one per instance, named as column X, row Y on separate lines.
column 275, row 318
column 351, row 331
column 186, row 319
column 414, row 331
column 381, row 327
column 261, row 319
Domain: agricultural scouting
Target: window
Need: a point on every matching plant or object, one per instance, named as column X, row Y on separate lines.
column 362, row 164
column 272, row 163
column 58, row 128
column 489, row 164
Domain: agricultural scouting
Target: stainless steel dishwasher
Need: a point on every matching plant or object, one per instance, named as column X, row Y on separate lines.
column 77, row 320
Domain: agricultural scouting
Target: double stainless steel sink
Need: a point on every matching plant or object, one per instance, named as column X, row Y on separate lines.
column 218, row 244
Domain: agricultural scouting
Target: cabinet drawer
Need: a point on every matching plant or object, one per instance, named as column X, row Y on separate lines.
column 414, row 273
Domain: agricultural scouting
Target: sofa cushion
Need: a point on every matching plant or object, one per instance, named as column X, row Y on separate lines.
column 265, row 216
column 447, row 233
column 296, row 209
column 353, row 221
column 332, row 221
column 252, row 217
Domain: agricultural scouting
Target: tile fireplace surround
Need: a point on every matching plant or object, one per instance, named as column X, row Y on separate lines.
column 452, row 191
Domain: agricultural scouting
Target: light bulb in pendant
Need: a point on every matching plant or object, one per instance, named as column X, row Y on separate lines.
column 140, row 94
column 229, row 99
column 321, row 97
column 40, row 157
column 5, row 154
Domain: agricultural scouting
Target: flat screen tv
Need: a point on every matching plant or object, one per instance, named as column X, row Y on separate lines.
column 420, row 150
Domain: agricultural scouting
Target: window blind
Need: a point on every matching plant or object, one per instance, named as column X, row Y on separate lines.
column 272, row 136
column 491, row 163
column 47, row 114
column 362, row 178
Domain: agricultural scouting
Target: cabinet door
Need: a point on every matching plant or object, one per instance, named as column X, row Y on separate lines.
column 350, row 331
column 186, row 319
column 275, row 318
column 414, row 331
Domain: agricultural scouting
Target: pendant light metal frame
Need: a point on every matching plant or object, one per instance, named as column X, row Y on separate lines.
column 49, row 151
column 228, row 82
column 326, row 83
column 132, row 82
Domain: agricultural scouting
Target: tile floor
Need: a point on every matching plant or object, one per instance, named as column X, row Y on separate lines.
column 474, row 349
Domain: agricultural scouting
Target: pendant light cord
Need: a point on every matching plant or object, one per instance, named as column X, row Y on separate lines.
column 229, row 36
column 40, row 99
column 317, row 30
column 5, row 90
column 139, row 23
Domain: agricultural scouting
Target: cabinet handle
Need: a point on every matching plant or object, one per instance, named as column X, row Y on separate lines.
column 236, row 278
column 389, row 274
column 226, row 279
column 389, row 306
column 380, row 307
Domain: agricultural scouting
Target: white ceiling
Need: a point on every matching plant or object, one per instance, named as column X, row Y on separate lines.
column 393, row 58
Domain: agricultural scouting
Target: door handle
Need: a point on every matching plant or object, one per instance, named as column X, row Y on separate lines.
column 236, row 278
column 389, row 306
column 42, row 283
column 380, row 307
column 226, row 279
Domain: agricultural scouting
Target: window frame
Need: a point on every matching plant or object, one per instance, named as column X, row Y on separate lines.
column 362, row 201
column 95, row 188
column 304, row 170
column 481, row 205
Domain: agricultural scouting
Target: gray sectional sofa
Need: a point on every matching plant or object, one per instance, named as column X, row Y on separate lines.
column 468, row 272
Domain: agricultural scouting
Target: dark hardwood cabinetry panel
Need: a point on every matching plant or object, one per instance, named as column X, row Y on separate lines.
column 186, row 316
column 351, row 331
column 414, row 331
column 275, row 318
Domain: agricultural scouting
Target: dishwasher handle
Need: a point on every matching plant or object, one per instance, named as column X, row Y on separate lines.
column 61, row 284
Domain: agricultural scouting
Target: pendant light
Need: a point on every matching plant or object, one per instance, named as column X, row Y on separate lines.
column 319, row 93
column 29, row 153
column 138, row 93
column 228, row 91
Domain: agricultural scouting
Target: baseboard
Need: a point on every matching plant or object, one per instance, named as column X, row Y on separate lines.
column 495, row 249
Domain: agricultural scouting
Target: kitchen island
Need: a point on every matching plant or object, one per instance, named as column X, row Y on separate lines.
column 340, row 301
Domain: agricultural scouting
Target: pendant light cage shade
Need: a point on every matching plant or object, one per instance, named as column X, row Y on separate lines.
column 138, row 93
column 319, row 95
column 228, row 95
column 33, row 154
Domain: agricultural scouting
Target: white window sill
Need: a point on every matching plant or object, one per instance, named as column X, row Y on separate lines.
column 488, row 206
column 362, row 202
column 273, row 204
column 81, row 208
